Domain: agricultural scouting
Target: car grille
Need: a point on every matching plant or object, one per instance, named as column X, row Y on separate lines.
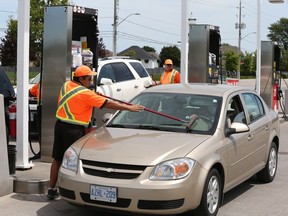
column 111, row 170
column 142, row 204
column 160, row 204
column 121, row 202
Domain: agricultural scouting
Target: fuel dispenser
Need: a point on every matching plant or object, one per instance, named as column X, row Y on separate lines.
column 269, row 81
column 70, row 39
column 204, row 65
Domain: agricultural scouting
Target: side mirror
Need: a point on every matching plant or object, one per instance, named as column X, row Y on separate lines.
column 106, row 117
column 236, row 127
column 106, row 81
column 147, row 84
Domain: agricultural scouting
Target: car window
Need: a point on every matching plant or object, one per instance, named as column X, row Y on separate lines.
column 181, row 107
column 254, row 106
column 141, row 71
column 106, row 72
column 117, row 72
column 121, row 72
column 235, row 111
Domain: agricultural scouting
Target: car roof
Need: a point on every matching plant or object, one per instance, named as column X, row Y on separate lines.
column 116, row 59
column 220, row 90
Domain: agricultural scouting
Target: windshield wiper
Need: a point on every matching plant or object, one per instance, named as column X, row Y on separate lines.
column 149, row 127
column 116, row 125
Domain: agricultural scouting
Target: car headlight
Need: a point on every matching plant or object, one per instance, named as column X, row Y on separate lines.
column 172, row 169
column 70, row 160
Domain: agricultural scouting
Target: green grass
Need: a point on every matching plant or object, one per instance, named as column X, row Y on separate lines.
column 13, row 78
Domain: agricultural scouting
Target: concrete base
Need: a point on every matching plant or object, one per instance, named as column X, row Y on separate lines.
column 33, row 186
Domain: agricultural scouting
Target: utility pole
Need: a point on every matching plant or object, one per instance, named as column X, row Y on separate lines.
column 115, row 24
column 239, row 26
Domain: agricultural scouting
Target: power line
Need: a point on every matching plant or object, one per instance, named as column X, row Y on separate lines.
column 4, row 11
column 131, row 37
column 153, row 29
column 143, row 39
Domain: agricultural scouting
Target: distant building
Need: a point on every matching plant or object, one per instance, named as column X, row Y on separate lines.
column 150, row 60
column 227, row 47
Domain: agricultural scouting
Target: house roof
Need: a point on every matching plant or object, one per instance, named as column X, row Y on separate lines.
column 227, row 47
column 139, row 53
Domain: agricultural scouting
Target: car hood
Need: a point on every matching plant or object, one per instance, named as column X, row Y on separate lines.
column 138, row 147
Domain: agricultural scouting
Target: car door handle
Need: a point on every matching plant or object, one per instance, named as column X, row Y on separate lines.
column 136, row 86
column 250, row 136
column 266, row 127
column 118, row 89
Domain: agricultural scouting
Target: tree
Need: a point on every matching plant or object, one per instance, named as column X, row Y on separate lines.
column 231, row 61
column 284, row 61
column 247, row 67
column 8, row 46
column 148, row 49
column 101, row 48
column 171, row 52
column 278, row 32
column 36, row 32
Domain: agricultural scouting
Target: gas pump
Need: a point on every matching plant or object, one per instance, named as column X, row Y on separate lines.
column 70, row 39
column 276, row 89
column 204, row 54
column 213, row 68
column 270, row 64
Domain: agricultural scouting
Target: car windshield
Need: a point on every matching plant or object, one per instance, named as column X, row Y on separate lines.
column 172, row 112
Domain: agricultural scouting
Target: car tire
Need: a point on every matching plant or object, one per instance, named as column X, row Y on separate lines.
column 268, row 173
column 211, row 196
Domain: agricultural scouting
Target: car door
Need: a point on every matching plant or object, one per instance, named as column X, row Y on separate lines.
column 125, row 80
column 239, row 146
column 259, row 125
column 143, row 79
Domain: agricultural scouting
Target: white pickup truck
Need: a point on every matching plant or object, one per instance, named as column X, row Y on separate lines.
column 121, row 78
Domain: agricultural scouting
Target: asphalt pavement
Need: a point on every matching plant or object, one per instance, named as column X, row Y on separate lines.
column 251, row 198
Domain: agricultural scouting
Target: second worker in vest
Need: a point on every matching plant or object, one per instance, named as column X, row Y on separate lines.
column 75, row 105
column 170, row 75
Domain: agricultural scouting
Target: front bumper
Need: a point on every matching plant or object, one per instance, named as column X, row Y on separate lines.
column 139, row 195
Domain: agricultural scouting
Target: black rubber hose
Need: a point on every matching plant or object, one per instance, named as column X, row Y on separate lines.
column 36, row 155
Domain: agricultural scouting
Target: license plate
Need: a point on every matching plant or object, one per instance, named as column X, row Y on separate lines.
column 103, row 193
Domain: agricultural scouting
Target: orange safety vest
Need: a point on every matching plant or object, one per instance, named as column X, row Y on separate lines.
column 34, row 91
column 75, row 103
column 169, row 77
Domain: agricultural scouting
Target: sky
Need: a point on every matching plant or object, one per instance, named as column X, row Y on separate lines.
column 159, row 22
